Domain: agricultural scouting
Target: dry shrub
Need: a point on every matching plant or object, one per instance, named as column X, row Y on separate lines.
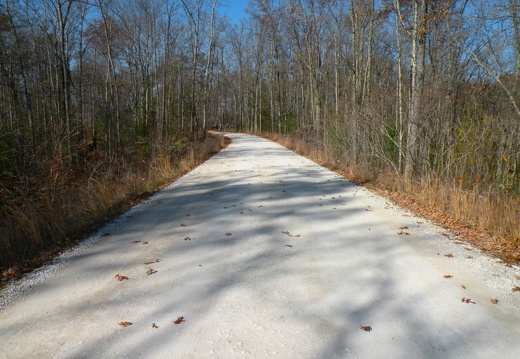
column 482, row 208
column 30, row 227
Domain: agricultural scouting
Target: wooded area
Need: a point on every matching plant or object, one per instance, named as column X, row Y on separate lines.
column 417, row 88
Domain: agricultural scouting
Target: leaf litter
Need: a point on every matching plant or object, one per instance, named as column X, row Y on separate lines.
column 179, row 320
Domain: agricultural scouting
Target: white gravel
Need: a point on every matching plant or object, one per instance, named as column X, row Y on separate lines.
column 265, row 254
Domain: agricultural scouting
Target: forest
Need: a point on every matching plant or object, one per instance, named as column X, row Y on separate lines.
column 101, row 100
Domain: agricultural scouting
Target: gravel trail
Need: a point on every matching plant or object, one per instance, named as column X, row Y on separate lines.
column 261, row 253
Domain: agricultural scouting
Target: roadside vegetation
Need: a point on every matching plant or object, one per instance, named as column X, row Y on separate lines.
column 44, row 216
column 477, row 213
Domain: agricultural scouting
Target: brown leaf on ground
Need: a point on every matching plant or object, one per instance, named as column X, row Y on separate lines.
column 288, row 234
column 155, row 326
column 229, row 234
column 449, row 255
column 121, row 278
column 462, row 286
column 136, row 242
column 494, row 300
column 150, row 271
column 467, row 300
column 515, row 289
column 288, row 245
column 366, row 328
column 152, row 262
column 145, row 242
column 179, row 320
column 124, row 324
column 448, row 276
column 504, row 248
column 401, row 232
column 469, row 257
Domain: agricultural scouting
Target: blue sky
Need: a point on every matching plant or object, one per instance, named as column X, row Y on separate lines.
column 234, row 9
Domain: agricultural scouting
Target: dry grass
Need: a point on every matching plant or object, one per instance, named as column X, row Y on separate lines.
column 34, row 229
column 484, row 216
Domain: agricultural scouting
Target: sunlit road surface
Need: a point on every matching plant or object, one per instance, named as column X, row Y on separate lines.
column 264, row 254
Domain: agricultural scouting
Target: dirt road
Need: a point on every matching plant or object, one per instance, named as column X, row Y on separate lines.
column 260, row 253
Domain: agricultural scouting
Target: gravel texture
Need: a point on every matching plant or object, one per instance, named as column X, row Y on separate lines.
column 261, row 253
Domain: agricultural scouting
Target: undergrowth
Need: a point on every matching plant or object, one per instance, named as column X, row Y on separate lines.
column 36, row 225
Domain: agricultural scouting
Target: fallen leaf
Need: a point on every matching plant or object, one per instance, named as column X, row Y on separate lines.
column 494, row 300
column 124, row 324
column 228, row 234
column 401, row 232
column 469, row 257
column 449, row 255
column 155, row 261
column 179, row 320
column 366, row 328
column 136, row 242
column 150, row 271
column 145, row 242
column 155, row 326
column 288, row 245
column 290, row 235
column 120, row 277
column 463, row 287
column 448, row 276
column 515, row 289
column 467, row 300
column 187, row 238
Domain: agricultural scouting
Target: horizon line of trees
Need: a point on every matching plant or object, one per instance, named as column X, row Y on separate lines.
column 421, row 87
